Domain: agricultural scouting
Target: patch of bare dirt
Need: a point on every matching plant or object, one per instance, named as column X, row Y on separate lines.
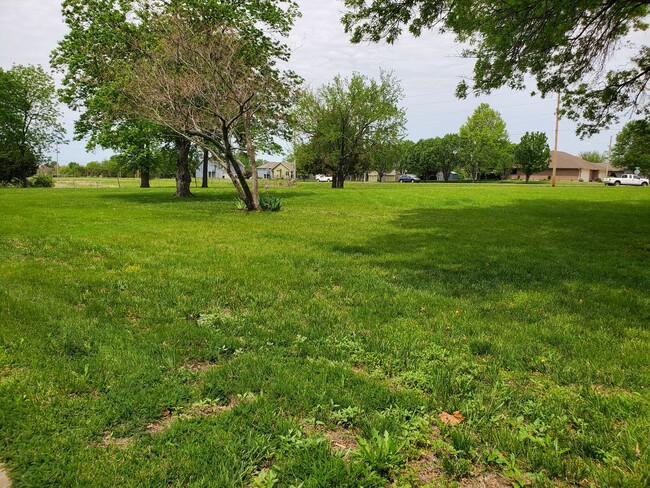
column 5, row 480
column 200, row 366
column 425, row 469
column 162, row 424
column 120, row 442
column 197, row 410
column 206, row 410
column 486, row 480
column 340, row 439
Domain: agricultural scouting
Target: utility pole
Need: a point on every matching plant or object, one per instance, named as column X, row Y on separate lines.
column 609, row 157
column 557, row 129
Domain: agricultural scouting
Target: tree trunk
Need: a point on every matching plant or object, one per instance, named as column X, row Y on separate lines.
column 144, row 178
column 236, row 174
column 183, row 176
column 339, row 178
column 206, row 158
column 527, row 178
column 255, row 191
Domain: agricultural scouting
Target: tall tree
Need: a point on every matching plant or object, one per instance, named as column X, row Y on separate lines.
column 446, row 151
column 106, row 39
column 562, row 45
column 341, row 122
column 213, row 86
column 29, row 124
column 532, row 154
column 383, row 157
column 140, row 144
column 404, row 161
column 483, row 141
column 632, row 148
column 423, row 158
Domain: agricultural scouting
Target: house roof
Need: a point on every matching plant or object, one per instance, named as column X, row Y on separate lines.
column 569, row 161
column 272, row 166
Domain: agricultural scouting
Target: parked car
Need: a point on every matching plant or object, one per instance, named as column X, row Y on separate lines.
column 408, row 179
column 323, row 178
column 627, row 179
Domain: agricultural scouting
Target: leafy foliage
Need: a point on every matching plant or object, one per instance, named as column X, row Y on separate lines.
column 440, row 154
column 343, row 122
column 384, row 156
column 632, row 148
column 483, row 141
column 28, row 121
column 563, row 46
column 42, row 180
column 593, row 156
column 162, row 62
column 270, row 203
column 532, row 154
column 383, row 453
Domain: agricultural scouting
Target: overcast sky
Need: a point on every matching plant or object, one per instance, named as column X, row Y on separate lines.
column 429, row 68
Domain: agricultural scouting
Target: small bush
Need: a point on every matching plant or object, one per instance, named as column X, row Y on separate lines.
column 239, row 204
column 270, row 204
column 347, row 416
column 383, row 454
column 42, row 180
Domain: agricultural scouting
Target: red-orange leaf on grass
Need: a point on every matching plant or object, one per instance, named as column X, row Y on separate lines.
column 452, row 418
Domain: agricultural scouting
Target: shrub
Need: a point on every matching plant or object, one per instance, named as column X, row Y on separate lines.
column 42, row 180
column 382, row 454
column 270, row 203
column 239, row 204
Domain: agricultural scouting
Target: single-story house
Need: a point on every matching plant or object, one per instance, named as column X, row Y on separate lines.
column 215, row 170
column 373, row 176
column 276, row 171
column 571, row 168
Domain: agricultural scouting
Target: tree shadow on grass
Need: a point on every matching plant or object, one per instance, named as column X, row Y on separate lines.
column 166, row 196
column 574, row 251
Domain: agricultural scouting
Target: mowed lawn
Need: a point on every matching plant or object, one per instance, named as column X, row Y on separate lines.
column 149, row 341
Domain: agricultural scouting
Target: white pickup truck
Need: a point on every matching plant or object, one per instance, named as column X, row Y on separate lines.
column 632, row 180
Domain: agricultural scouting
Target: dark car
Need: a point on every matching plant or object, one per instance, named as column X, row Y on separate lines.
column 408, row 179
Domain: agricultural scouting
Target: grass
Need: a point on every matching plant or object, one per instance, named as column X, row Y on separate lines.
column 148, row 341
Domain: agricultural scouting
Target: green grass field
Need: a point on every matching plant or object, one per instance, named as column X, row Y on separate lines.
column 148, row 341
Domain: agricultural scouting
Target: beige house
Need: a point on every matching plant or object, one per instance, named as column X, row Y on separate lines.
column 373, row 176
column 570, row 168
column 277, row 171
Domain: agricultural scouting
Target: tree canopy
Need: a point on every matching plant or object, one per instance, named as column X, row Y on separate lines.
column 532, row 154
column 632, row 148
column 29, row 125
column 118, row 63
column 341, row 123
column 593, row 156
column 564, row 46
column 484, row 142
